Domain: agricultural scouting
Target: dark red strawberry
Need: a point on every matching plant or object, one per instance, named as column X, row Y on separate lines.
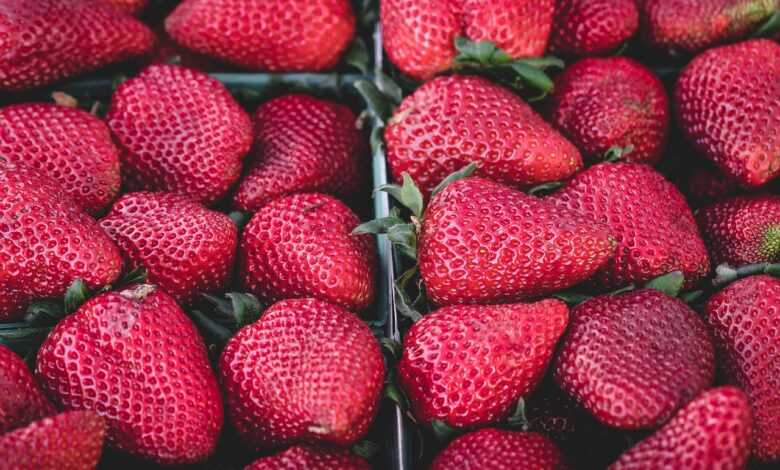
column 133, row 7
column 278, row 36
column 727, row 102
column 706, row 184
column 304, row 457
column 306, row 371
column 745, row 318
column 48, row 40
column 185, row 248
column 713, row 431
column 21, row 399
column 181, row 131
column 46, row 242
column 303, row 144
column 592, row 27
column 135, row 358
column 600, row 104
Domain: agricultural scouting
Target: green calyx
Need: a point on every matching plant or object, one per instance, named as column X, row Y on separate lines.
column 770, row 244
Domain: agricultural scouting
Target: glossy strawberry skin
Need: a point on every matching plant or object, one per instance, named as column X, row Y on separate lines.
column 278, row 36
column 310, row 458
column 592, row 27
column 744, row 77
column 21, row 399
column 186, row 248
column 450, row 122
column 319, row 380
column 713, row 431
column 49, row 40
column 744, row 318
column 69, row 145
column 613, row 102
column 303, row 144
column 136, row 359
column 68, row 441
column 180, row 131
column 482, row 242
column 650, row 219
column 46, row 242
column 133, row 7
column 302, row 246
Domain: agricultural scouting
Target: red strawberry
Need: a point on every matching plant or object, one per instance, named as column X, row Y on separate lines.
column 306, row 371
column 592, row 27
column 132, row 7
column 135, row 358
column 614, row 102
column 450, row 122
column 68, row 441
column 304, row 457
column 303, row 144
column 46, row 242
column 706, row 184
column 186, row 248
column 419, row 36
column 48, row 40
column 494, row 449
column 278, row 36
column 21, row 400
column 468, row 365
column 632, row 360
column 180, row 131
column 745, row 318
column 653, row 224
column 67, row 144
column 727, row 101
column 302, row 246
column 713, row 431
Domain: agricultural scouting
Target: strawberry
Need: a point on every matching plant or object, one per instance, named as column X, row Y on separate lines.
column 713, row 431
column 419, row 36
column 67, row 144
column 46, row 242
column 21, row 399
column 277, row 36
column 632, row 360
column 185, row 248
column 135, row 358
column 306, row 371
column 600, row 104
column 68, row 441
column 133, row 7
column 48, row 40
column 592, row 27
column 303, row 144
column 450, row 122
column 302, row 246
column 468, row 365
column 495, row 449
column 742, row 230
column 743, row 77
column 706, row 184
column 744, row 317
column 306, row 457
column 181, row 131
column 653, row 224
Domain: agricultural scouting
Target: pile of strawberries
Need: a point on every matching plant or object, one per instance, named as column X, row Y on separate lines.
column 589, row 240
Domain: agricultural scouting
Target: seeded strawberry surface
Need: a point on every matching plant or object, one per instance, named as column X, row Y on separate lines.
column 132, row 7
column 310, row 458
column 592, row 27
column 21, row 399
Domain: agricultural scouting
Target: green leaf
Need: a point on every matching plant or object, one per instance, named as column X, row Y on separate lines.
column 377, row 103
column 404, row 237
column 403, row 280
column 394, row 347
column 408, row 194
column 545, row 189
column 532, row 77
column 390, row 89
column 366, row 449
column 692, row 297
column 358, row 56
column 138, row 275
column 670, row 284
column 210, row 328
column 770, row 27
column 246, row 308
column 615, row 154
column 377, row 226
column 518, row 419
column 443, row 431
column 47, row 308
column 464, row 172
column 484, row 53
column 78, row 293
column 572, row 298
column 403, row 307
column 546, row 62
column 394, row 393
column 240, row 219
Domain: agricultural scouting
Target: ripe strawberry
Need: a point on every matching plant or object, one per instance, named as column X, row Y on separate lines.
column 744, row 317
column 135, row 358
column 592, row 27
column 653, row 224
column 68, row 441
column 706, row 184
column 468, row 365
column 306, row 371
column 710, row 90
column 450, row 122
column 307, row 457
column 419, row 36
column 613, row 102
column 49, row 40
column 713, row 431
column 278, row 36
column 21, row 400
column 302, row 246
column 303, row 144
column 133, row 7
column 46, row 242
column 67, row 144
column 495, row 449
column 186, row 248
column 632, row 360
column 181, row 131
